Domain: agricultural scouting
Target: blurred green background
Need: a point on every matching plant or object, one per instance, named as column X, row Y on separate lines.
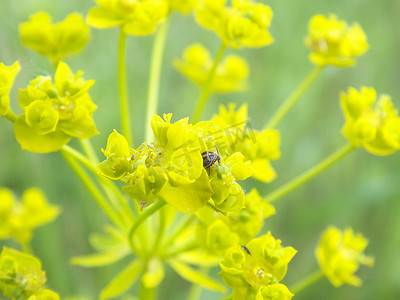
column 362, row 191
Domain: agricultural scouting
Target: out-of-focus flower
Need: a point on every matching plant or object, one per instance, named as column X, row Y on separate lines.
column 333, row 42
column 7, row 75
column 21, row 277
column 230, row 76
column 54, row 113
column 56, row 41
column 18, row 220
column 370, row 123
column 244, row 23
column 340, row 253
column 135, row 17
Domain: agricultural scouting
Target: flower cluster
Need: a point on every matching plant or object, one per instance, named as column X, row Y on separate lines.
column 22, row 277
column 230, row 76
column 370, row 123
column 7, row 75
column 333, row 42
column 19, row 219
column 135, row 17
column 340, row 254
column 56, row 41
column 255, row 270
column 54, row 113
column 245, row 23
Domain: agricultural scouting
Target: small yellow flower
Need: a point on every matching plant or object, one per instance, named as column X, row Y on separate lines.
column 340, row 253
column 56, row 41
column 139, row 17
column 370, row 123
column 333, row 42
column 7, row 75
column 230, row 76
column 245, row 23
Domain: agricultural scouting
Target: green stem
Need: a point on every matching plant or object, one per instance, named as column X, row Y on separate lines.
column 161, row 230
column 10, row 115
column 195, row 290
column 89, row 184
column 104, row 181
column 89, row 151
column 124, row 104
column 154, row 80
column 288, row 104
column 26, row 247
column 306, row 282
column 147, row 294
column 142, row 217
column 206, row 89
column 309, row 174
column 185, row 248
column 180, row 228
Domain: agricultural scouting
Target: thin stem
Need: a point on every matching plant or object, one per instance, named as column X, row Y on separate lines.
column 288, row 104
column 124, row 104
column 10, row 115
column 154, row 80
column 185, row 248
column 89, row 151
column 195, row 290
column 104, row 181
column 309, row 174
column 206, row 89
column 161, row 230
column 89, row 184
column 179, row 229
column 26, row 247
column 146, row 293
column 147, row 213
column 306, row 282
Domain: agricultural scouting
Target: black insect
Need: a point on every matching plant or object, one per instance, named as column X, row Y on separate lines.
column 244, row 248
column 209, row 158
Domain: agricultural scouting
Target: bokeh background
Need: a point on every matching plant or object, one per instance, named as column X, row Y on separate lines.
column 361, row 191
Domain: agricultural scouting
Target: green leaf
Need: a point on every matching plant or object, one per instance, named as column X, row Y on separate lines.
column 99, row 259
column 195, row 276
column 123, row 281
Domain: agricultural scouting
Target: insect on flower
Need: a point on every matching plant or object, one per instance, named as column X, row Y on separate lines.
column 209, row 158
column 244, row 248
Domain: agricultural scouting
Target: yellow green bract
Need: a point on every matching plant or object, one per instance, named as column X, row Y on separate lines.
column 54, row 113
column 21, row 277
column 340, row 253
column 135, row 17
column 265, row 266
column 7, row 75
column 371, row 123
column 244, row 23
column 333, row 42
column 230, row 76
column 18, row 219
column 56, row 41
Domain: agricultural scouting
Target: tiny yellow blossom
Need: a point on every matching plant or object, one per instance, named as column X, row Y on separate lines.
column 135, row 17
column 230, row 76
column 371, row 123
column 244, row 23
column 340, row 253
column 7, row 75
column 56, row 41
column 18, row 219
column 333, row 42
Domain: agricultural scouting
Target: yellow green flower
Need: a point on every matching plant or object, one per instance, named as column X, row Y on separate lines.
column 244, row 23
column 340, row 253
column 56, row 41
column 7, row 75
column 18, row 219
column 54, row 113
column 274, row 292
column 334, row 42
column 370, row 122
column 22, row 277
column 261, row 263
column 135, row 17
column 230, row 76
column 183, row 6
